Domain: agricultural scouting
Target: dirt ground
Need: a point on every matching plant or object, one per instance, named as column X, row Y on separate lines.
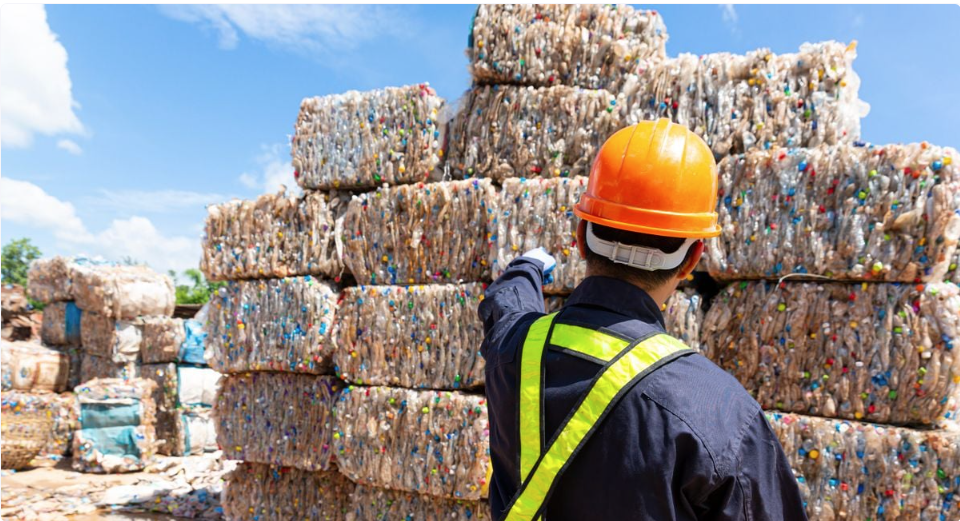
column 176, row 488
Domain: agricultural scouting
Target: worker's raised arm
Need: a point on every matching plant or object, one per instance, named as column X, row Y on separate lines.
column 517, row 291
column 762, row 486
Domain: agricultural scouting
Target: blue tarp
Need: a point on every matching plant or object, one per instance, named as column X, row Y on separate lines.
column 72, row 325
column 102, row 415
column 191, row 350
column 115, row 441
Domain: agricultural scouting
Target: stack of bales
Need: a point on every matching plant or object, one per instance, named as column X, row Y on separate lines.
column 540, row 108
column 35, row 379
column 404, row 343
column 873, row 344
column 172, row 351
column 116, row 426
column 99, row 310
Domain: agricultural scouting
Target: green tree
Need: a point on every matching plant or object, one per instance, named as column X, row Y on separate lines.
column 198, row 291
column 16, row 258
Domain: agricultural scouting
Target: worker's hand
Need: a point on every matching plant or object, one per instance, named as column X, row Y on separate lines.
column 548, row 261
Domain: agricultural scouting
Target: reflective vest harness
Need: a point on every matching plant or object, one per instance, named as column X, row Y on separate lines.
column 625, row 363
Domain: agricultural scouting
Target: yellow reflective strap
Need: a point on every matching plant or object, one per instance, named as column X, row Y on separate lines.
column 615, row 376
column 530, row 367
column 587, row 341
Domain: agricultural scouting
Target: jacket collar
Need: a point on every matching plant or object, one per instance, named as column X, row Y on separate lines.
column 618, row 296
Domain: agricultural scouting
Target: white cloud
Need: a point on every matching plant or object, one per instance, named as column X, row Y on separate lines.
column 728, row 13
column 36, row 94
column 304, row 28
column 275, row 171
column 157, row 201
column 27, row 204
column 70, row 146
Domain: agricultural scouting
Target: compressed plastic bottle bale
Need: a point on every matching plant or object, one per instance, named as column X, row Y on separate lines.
column 168, row 425
column 854, row 470
column 27, row 366
column 420, row 234
column 413, row 336
column 117, row 340
column 273, row 236
column 878, row 352
column 275, row 324
column 116, row 426
column 93, row 367
column 123, row 292
column 61, row 407
column 277, row 418
column 160, row 339
column 539, row 213
column 760, row 99
column 378, row 503
column 510, row 131
column 366, row 139
column 61, row 324
column 426, row 442
column 683, row 316
column 49, row 280
column 846, row 212
column 734, row 103
column 583, row 45
column 257, row 492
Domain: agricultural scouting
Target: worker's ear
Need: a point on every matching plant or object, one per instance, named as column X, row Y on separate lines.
column 690, row 262
column 582, row 238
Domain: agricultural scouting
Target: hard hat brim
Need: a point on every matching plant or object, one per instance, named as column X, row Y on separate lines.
column 666, row 224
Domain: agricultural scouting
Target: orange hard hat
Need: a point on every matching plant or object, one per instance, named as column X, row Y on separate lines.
column 655, row 177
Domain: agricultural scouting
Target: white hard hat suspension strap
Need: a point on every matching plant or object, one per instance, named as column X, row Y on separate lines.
column 649, row 259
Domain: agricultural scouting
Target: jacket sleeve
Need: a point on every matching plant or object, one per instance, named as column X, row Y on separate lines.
column 763, row 487
column 518, row 291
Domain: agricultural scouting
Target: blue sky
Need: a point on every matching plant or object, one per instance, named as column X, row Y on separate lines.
column 121, row 123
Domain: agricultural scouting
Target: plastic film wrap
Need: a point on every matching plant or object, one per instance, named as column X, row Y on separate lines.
column 878, row 352
column 61, row 324
column 258, row 492
column 123, row 292
column 61, row 407
column 426, row 442
column 199, row 434
column 539, row 212
column 27, row 366
column 413, row 336
column 93, row 366
column 277, row 418
column 420, row 234
column 116, row 426
column 377, row 503
column 274, row 236
column 853, row 470
column 116, row 340
column 846, row 212
column 160, row 339
column 366, row 139
column 584, row 45
column 275, row 324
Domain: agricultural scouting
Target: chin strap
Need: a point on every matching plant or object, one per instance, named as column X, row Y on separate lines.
column 649, row 259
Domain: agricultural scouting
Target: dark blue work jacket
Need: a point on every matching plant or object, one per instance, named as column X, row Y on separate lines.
column 687, row 442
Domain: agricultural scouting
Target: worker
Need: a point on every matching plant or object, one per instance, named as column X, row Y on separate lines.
column 597, row 413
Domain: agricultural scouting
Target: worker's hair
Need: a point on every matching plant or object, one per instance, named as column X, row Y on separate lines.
column 647, row 280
